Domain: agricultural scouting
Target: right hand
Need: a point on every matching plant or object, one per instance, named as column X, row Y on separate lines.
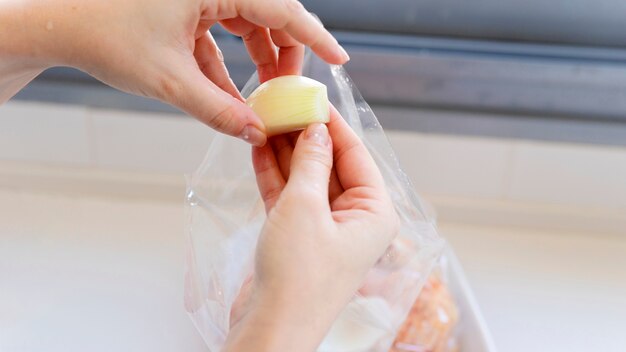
column 320, row 239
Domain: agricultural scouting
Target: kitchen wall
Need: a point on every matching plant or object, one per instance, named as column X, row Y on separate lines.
column 469, row 179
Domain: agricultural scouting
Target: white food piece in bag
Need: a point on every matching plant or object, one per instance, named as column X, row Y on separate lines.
column 350, row 335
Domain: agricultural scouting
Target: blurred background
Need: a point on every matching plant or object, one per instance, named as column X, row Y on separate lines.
column 508, row 116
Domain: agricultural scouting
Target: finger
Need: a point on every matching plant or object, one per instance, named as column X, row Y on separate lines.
column 259, row 45
column 283, row 150
column 354, row 164
column 293, row 18
column 188, row 89
column 268, row 176
column 334, row 186
column 293, row 137
column 290, row 53
column 203, row 27
column 310, row 165
column 211, row 63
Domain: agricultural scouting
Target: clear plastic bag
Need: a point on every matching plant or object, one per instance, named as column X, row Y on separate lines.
column 225, row 215
column 433, row 322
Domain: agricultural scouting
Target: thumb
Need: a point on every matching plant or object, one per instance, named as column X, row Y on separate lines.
column 202, row 99
column 311, row 162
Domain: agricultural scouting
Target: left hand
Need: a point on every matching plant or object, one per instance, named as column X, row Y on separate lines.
column 162, row 48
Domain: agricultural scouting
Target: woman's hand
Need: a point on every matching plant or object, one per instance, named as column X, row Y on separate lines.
column 329, row 220
column 162, row 49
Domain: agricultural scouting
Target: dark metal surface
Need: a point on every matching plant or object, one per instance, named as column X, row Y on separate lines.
column 534, row 127
column 582, row 22
column 440, row 85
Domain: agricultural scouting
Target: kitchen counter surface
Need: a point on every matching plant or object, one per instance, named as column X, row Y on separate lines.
column 105, row 274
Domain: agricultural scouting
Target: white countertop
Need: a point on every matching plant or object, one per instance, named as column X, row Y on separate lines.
column 80, row 274
column 96, row 274
column 546, row 291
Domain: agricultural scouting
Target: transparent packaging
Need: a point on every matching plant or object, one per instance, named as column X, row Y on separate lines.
column 225, row 215
column 433, row 322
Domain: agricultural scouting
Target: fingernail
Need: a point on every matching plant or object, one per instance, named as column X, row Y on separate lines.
column 253, row 135
column 317, row 133
column 344, row 54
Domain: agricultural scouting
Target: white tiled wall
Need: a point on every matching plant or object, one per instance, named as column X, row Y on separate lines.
column 79, row 136
column 44, row 133
column 577, row 175
column 452, row 165
column 148, row 142
column 456, row 166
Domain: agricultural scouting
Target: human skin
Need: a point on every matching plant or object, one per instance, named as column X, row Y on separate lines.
column 320, row 239
column 161, row 49
column 329, row 216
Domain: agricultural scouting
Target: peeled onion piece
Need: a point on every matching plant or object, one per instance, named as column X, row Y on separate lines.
column 290, row 103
